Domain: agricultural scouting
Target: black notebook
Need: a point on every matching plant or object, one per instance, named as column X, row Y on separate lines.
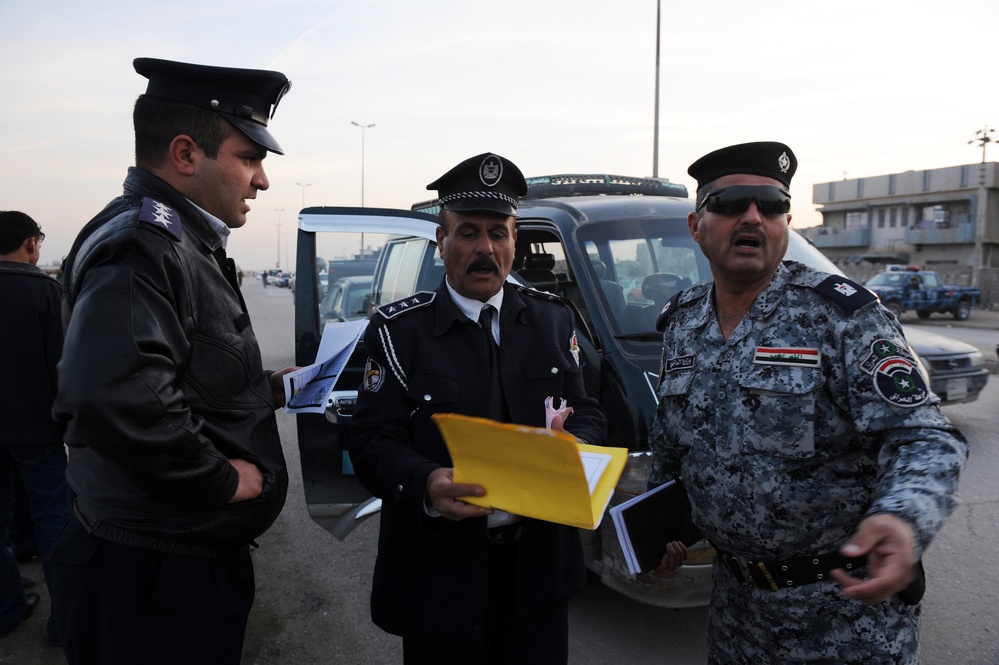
column 647, row 523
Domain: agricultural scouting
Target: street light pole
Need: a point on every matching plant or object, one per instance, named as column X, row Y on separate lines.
column 655, row 124
column 363, row 127
column 277, row 262
column 308, row 184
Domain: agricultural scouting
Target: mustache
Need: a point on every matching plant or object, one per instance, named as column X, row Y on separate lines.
column 482, row 264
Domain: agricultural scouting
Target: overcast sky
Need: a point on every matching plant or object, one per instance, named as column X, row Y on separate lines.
column 558, row 86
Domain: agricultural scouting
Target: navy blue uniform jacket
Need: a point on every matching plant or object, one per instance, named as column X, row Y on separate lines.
column 426, row 357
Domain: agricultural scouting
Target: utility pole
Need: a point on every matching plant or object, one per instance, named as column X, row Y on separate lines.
column 655, row 130
column 277, row 262
column 984, row 137
column 308, row 184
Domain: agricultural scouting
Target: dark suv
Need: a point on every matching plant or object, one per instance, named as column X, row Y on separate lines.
column 615, row 248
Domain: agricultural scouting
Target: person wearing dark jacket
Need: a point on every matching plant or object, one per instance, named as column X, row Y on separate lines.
column 174, row 454
column 30, row 440
column 460, row 583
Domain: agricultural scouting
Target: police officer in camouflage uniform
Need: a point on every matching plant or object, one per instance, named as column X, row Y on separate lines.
column 815, row 457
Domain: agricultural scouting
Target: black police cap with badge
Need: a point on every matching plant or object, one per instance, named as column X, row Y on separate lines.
column 484, row 183
column 763, row 158
column 245, row 97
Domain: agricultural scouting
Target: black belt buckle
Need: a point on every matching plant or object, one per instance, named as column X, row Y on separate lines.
column 738, row 568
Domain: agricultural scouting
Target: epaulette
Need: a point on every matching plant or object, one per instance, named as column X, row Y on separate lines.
column 407, row 304
column 848, row 294
column 534, row 293
column 674, row 303
column 155, row 213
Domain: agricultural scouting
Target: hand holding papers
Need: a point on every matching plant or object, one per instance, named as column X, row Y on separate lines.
column 532, row 471
column 307, row 390
column 648, row 522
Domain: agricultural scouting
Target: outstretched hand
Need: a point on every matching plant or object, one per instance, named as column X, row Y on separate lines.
column 890, row 547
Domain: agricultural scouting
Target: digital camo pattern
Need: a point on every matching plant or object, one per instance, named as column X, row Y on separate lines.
column 809, row 624
column 784, row 460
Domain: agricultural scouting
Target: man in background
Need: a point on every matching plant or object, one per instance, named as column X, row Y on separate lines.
column 31, row 442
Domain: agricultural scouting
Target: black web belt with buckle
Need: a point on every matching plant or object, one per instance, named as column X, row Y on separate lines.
column 775, row 574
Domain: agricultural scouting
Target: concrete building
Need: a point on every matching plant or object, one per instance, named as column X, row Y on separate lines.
column 945, row 220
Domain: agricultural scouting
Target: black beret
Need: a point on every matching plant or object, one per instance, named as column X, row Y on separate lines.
column 765, row 158
column 486, row 182
column 243, row 96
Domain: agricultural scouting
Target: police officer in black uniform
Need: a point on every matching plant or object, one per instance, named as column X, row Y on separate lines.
column 458, row 582
column 174, row 454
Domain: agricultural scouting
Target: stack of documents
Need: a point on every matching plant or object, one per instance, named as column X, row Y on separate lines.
column 309, row 389
column 532, row 471
column 647, row 523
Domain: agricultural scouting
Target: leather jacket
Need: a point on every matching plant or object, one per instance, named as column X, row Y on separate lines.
column 161, row 381
column 30, row 345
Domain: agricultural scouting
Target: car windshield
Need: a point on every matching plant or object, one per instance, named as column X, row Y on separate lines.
column 888, row 279
column 641, row 264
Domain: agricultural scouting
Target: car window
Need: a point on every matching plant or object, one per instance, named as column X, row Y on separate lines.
column 640, row 264
column 402, row 261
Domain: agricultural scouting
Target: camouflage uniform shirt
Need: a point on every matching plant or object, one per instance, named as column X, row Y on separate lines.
column 810, row 417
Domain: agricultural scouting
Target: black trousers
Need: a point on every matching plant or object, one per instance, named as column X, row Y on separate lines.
column 119, row 605
column 541, row 638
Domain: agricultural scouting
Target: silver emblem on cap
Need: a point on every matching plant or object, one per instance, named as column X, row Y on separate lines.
column 490, row 170
column 215, row 102
column 784, row 162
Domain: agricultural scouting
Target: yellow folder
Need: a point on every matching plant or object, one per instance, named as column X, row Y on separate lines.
column 531, row 471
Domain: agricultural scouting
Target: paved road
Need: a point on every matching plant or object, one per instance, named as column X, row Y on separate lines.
column 312, row 591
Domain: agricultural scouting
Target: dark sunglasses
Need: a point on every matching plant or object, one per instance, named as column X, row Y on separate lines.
column 735, row 200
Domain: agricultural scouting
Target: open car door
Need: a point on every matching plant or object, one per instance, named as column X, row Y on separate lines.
column 397, row 249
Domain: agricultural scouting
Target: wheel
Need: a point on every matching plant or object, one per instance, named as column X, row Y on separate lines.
column 962, row 311
column 894, row 308
column 923, row 313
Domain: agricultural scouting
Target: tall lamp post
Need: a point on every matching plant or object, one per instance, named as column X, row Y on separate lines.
column 277, row 263
column 303, row 186
column 363, row 127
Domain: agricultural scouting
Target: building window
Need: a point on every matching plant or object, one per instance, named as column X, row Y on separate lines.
column 891, row 184
column 881, row 218
column 893, row 217
column 856, row 220
column 941, row 217
column 860, row 188
column 832, row 191
column 905, row 217
column 964, row 176
column 926, row 180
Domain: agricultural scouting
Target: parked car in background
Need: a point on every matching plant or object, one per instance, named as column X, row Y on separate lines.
column 616, row 249
column 283, row 279
column 347, row 300
column 957, row 370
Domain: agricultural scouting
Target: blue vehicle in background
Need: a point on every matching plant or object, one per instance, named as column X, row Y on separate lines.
column 903, row 288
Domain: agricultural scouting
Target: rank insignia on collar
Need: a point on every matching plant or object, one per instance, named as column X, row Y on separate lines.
column 158, row 214
column 407, row 304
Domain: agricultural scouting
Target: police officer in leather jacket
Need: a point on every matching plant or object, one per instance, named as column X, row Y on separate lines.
column 174, row 454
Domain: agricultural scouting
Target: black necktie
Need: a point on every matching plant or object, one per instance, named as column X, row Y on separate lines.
column 496, row 410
